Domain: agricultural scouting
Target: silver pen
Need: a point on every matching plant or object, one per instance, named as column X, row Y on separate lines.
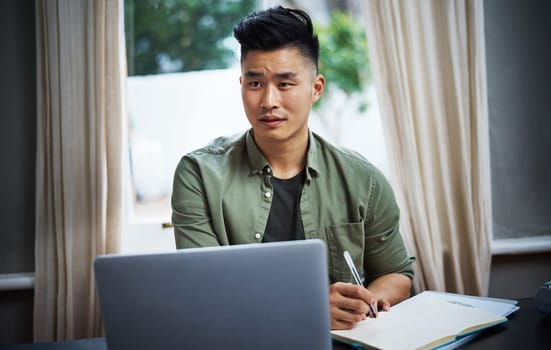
column 357, row 277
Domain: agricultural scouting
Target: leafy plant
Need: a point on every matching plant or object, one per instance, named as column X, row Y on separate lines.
column 165, row 36
column 343, row 56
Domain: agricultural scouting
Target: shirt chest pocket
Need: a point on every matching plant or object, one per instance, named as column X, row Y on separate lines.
column 350, row 237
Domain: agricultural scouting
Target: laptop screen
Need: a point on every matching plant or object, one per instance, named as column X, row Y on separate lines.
column 254, row 296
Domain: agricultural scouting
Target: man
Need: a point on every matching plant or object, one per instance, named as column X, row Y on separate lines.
column 280, row 181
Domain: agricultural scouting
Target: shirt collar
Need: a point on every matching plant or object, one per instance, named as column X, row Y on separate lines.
column 259, row 163
column 312, row 158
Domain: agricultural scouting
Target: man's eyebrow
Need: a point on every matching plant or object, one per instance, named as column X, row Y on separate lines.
column 282, row 75
column 253, row 74
column 286, row 75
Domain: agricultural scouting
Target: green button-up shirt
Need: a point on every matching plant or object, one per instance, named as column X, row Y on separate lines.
column 222, row 195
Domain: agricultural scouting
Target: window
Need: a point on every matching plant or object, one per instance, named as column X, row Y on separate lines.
column 183, row 91
column 518, row 54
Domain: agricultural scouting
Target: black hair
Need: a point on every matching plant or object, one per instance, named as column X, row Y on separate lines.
column 277, row 28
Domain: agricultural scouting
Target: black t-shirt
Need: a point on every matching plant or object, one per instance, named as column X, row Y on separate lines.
column 284, row 222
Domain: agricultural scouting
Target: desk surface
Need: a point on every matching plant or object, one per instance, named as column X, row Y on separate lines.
column 526, row 329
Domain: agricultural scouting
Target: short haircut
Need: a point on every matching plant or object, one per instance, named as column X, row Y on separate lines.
column 278, row 28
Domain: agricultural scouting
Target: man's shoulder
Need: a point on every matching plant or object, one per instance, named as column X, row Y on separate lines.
column 346, row 157
column 352, row 168
column 220, row 146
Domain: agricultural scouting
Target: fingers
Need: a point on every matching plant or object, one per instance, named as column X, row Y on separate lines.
column 355, row 292
column 344, row 319
column 383, row 305
column 358, row 293
column 349, row 304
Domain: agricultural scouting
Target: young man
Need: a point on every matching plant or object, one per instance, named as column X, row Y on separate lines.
column 280, row 181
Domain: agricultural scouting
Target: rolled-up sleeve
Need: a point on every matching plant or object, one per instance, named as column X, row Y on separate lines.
column 385, row 251
column 190, row 212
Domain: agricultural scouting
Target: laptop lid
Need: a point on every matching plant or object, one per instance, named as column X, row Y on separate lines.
column 254, row 296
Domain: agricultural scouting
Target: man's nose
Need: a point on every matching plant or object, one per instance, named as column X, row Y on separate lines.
column 270, row 97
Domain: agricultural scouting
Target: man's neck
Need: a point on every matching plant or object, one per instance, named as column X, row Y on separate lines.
column 286, row 158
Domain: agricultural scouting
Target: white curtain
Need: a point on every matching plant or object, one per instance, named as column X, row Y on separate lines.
column 79, row 176
column 429, row 70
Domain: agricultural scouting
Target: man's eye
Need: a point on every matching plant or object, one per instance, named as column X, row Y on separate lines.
column 285, row 84
column 254, row 84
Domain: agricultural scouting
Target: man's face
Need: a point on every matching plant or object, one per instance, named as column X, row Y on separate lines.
column 278, row 89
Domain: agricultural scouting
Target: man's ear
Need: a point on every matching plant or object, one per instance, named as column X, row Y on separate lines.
column 241, row 80
column 317, row 88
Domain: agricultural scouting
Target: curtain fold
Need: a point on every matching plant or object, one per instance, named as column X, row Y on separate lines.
column 79, row 160
column 428, row 66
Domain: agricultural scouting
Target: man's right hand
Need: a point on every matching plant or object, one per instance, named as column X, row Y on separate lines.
column 348, row 304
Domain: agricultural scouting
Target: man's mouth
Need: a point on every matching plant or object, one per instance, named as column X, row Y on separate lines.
column 272, row 120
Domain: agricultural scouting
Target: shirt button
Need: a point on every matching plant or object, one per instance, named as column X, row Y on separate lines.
column 267, row 194
column 257, row 235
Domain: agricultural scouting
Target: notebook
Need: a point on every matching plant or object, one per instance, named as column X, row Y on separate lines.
column 253, row 296
column 426, row 321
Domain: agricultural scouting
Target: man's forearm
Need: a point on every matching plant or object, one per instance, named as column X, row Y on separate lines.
column 393, row 287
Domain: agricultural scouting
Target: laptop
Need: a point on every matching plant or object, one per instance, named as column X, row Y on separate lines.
column 253, row 296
